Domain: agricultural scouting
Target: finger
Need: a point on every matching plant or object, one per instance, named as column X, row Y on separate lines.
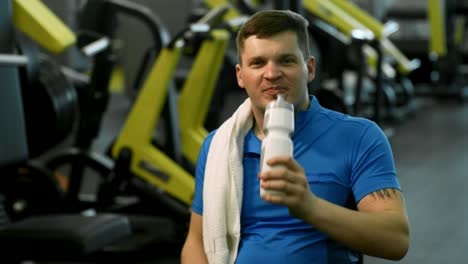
column 283, row 174
column 287, row 161
column 276, row 199
column 282, row 199
column 282, row 186
column 275, row 173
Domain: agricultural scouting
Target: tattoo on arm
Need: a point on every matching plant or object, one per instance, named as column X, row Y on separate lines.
column 385, row 193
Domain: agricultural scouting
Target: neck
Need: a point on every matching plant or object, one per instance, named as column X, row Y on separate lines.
column 258, row 131
column 303, row 107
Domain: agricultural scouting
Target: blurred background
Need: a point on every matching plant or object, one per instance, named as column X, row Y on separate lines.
column 104, row 104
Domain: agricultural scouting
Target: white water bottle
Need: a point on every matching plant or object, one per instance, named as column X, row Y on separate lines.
column 278, row 126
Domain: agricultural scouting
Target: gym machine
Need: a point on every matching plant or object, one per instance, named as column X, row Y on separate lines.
column 159, row 176
column 133, row 146
column 377, row 57
column 48, row 101
column 40, row 237
column 440, row 50
column 120, row 190
column 97, row 24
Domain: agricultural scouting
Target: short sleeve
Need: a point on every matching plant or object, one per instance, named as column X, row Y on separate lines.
column 197, row 203
column 373, row 166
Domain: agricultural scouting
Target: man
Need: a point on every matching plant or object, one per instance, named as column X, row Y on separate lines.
column 337, row 158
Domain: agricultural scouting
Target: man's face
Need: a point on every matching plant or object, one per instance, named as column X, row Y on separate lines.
column 272, row 66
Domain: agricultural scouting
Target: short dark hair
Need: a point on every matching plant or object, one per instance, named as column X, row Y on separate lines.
column 267, row 23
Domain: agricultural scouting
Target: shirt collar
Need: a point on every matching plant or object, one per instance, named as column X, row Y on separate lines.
column 305, row 116
column 252, row 145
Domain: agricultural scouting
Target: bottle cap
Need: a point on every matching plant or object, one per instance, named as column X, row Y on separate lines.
column 279, row 114
column 280, row 102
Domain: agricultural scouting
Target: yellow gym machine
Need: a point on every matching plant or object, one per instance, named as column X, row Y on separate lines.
column 96, row 27
column 346, row 16
column 133, row 149
column 157, row 173
column 440, row 49
column 448, row 21
column 34, row 19
column 383, row 59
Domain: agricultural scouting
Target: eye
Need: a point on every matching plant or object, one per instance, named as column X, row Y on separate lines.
column 288, row 60
column 256, row 63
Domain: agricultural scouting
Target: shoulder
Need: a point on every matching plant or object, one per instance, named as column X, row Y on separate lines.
column 355, row 134
column 207, row 143
column 209, row 137
column 203, row 155
column 348, row 124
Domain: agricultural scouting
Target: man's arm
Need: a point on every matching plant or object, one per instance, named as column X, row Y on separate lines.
column 379, row 227
column 193, row 251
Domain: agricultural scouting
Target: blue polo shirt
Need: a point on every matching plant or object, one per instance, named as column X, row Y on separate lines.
column 342, row 157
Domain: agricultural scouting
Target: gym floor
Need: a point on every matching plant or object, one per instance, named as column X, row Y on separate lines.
column 432, row 161
column 431, row 157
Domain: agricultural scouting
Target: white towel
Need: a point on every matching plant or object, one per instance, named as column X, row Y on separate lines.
column 222, row 192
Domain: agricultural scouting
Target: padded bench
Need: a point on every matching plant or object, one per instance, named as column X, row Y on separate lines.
column 67, row 236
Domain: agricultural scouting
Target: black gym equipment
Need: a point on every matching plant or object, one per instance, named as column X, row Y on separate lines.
column 50, row 100
column 14, row 235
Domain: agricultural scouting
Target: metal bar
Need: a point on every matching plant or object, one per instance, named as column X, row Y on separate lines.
column 10, row 60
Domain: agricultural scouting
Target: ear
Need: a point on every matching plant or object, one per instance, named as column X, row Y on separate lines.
column 240, row 82
column 311, row 68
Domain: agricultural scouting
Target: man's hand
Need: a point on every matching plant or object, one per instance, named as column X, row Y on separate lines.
column 288, row 178
column 379, row 227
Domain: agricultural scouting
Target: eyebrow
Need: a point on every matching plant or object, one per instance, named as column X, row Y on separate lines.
column 280, row 56
column 287, row 55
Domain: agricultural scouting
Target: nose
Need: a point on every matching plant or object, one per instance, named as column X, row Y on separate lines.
column 272, row 72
